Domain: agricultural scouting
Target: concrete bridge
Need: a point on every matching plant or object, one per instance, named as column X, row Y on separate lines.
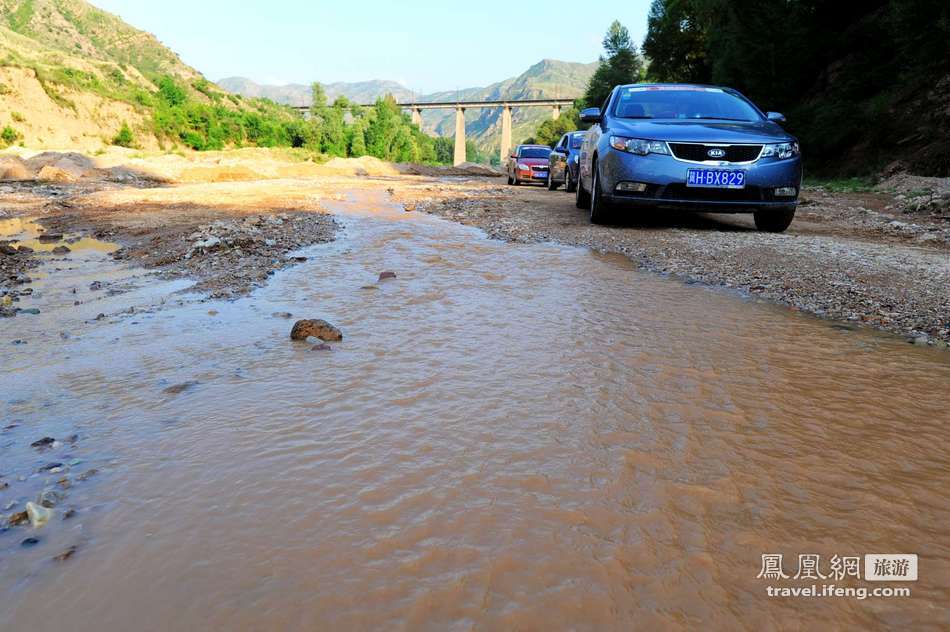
column 460, row 107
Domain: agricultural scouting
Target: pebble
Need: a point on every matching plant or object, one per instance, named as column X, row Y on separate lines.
column 388, row 274
column 61, row 250
column 41, row 444
column 29, row 542
column 180, row 388
column 65, row 555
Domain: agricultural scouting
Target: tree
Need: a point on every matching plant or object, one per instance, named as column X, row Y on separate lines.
column 676, row 42
column 551, row 130
column 621, row 65
column 318, row 98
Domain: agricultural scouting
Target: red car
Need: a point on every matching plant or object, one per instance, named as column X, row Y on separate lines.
column 528, row 163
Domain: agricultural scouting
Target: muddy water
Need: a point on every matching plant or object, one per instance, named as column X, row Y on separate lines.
column 509, row 437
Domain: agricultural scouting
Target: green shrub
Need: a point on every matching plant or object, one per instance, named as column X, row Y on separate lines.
column 9, row 136
column 124, row 138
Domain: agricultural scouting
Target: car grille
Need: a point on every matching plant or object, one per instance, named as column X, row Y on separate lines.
column 701, row 194
column 698, row 153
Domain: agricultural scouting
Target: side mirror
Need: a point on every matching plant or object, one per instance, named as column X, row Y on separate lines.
column 513, row 156
column 775, row 117
column 590, row 115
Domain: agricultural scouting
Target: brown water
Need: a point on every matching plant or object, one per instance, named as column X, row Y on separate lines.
column 509, row 437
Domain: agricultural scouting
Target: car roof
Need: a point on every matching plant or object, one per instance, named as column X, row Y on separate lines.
column 673, row 85
column 534, row 145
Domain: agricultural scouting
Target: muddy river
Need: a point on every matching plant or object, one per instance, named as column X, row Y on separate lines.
column 509, row 437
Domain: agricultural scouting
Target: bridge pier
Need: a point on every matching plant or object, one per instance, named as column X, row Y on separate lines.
column 556, row 112
column 505, row 134
column 459, row 157
column 417, row 117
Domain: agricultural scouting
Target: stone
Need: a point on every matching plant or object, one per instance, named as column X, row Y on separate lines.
column 7, row 249
column 29, row 542
column 50, row 237
column 87, row 474
column 18, row 518
column 95, row 286
column 49, row 467
column 317, row 328
column 39, row 515
column 42, row 444
column 61, row 250
column 387, row 274
column 180, row 388
column 30, row 310
column 321, row 347
column 49, row 498
column 65, row 555
column 282, row 315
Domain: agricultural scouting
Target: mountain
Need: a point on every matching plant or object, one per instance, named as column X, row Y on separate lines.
column 72, row 75
column 299, row 94
column 548, row 78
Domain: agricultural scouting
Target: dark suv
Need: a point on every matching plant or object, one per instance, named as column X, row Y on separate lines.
column 528, row 163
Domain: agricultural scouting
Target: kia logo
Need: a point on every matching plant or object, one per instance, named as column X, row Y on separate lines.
column 716, row 152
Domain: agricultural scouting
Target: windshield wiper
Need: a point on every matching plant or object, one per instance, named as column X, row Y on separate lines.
column 719, row 118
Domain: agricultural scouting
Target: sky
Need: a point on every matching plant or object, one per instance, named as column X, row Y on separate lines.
column 426, row 45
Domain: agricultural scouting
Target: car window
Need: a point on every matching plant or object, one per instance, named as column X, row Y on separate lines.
column 576, row 141
column 682, row 102
column 534, row 152
column 561, row 144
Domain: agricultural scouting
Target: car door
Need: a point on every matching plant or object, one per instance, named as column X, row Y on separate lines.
column 591, row 142
column 558, row 159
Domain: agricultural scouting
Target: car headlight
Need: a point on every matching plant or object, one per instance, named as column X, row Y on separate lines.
column 638, row 146
column 780, row 150
column 523, row 166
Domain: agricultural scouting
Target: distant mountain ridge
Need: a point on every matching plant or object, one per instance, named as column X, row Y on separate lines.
column 549, row 78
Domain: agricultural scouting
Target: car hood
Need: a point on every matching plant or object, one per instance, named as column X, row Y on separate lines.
column 702, row 131
column 534, row 162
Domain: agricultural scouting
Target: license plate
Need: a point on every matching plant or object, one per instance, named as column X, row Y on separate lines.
column 716, row 178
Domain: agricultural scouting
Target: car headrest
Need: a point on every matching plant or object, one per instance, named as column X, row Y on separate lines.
column 631, row 110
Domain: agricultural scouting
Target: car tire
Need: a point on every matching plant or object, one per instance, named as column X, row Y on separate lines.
column 510, row 179
column 581, row 197
column 600, row 209
column 551, row 183
column 569, row 185
column 774, row 220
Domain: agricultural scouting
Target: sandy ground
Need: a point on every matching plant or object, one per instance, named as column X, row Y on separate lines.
column 230, row 219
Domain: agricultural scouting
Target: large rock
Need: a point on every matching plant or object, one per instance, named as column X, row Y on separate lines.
column 49, row 173
column 317, row 328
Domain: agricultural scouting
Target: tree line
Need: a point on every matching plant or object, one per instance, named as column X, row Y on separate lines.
column 340, row 129
column 861, row 83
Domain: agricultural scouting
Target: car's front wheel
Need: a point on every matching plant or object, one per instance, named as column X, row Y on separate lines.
column 510, row 179
column 600, row 209
column 552, row 183
column 569, row 185
column 774, row 220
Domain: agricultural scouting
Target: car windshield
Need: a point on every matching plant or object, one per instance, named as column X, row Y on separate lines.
column 662, row 102
column 576, row 141
column 534, row 152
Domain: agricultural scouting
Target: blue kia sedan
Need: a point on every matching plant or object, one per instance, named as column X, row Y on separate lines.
column 691, row 147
